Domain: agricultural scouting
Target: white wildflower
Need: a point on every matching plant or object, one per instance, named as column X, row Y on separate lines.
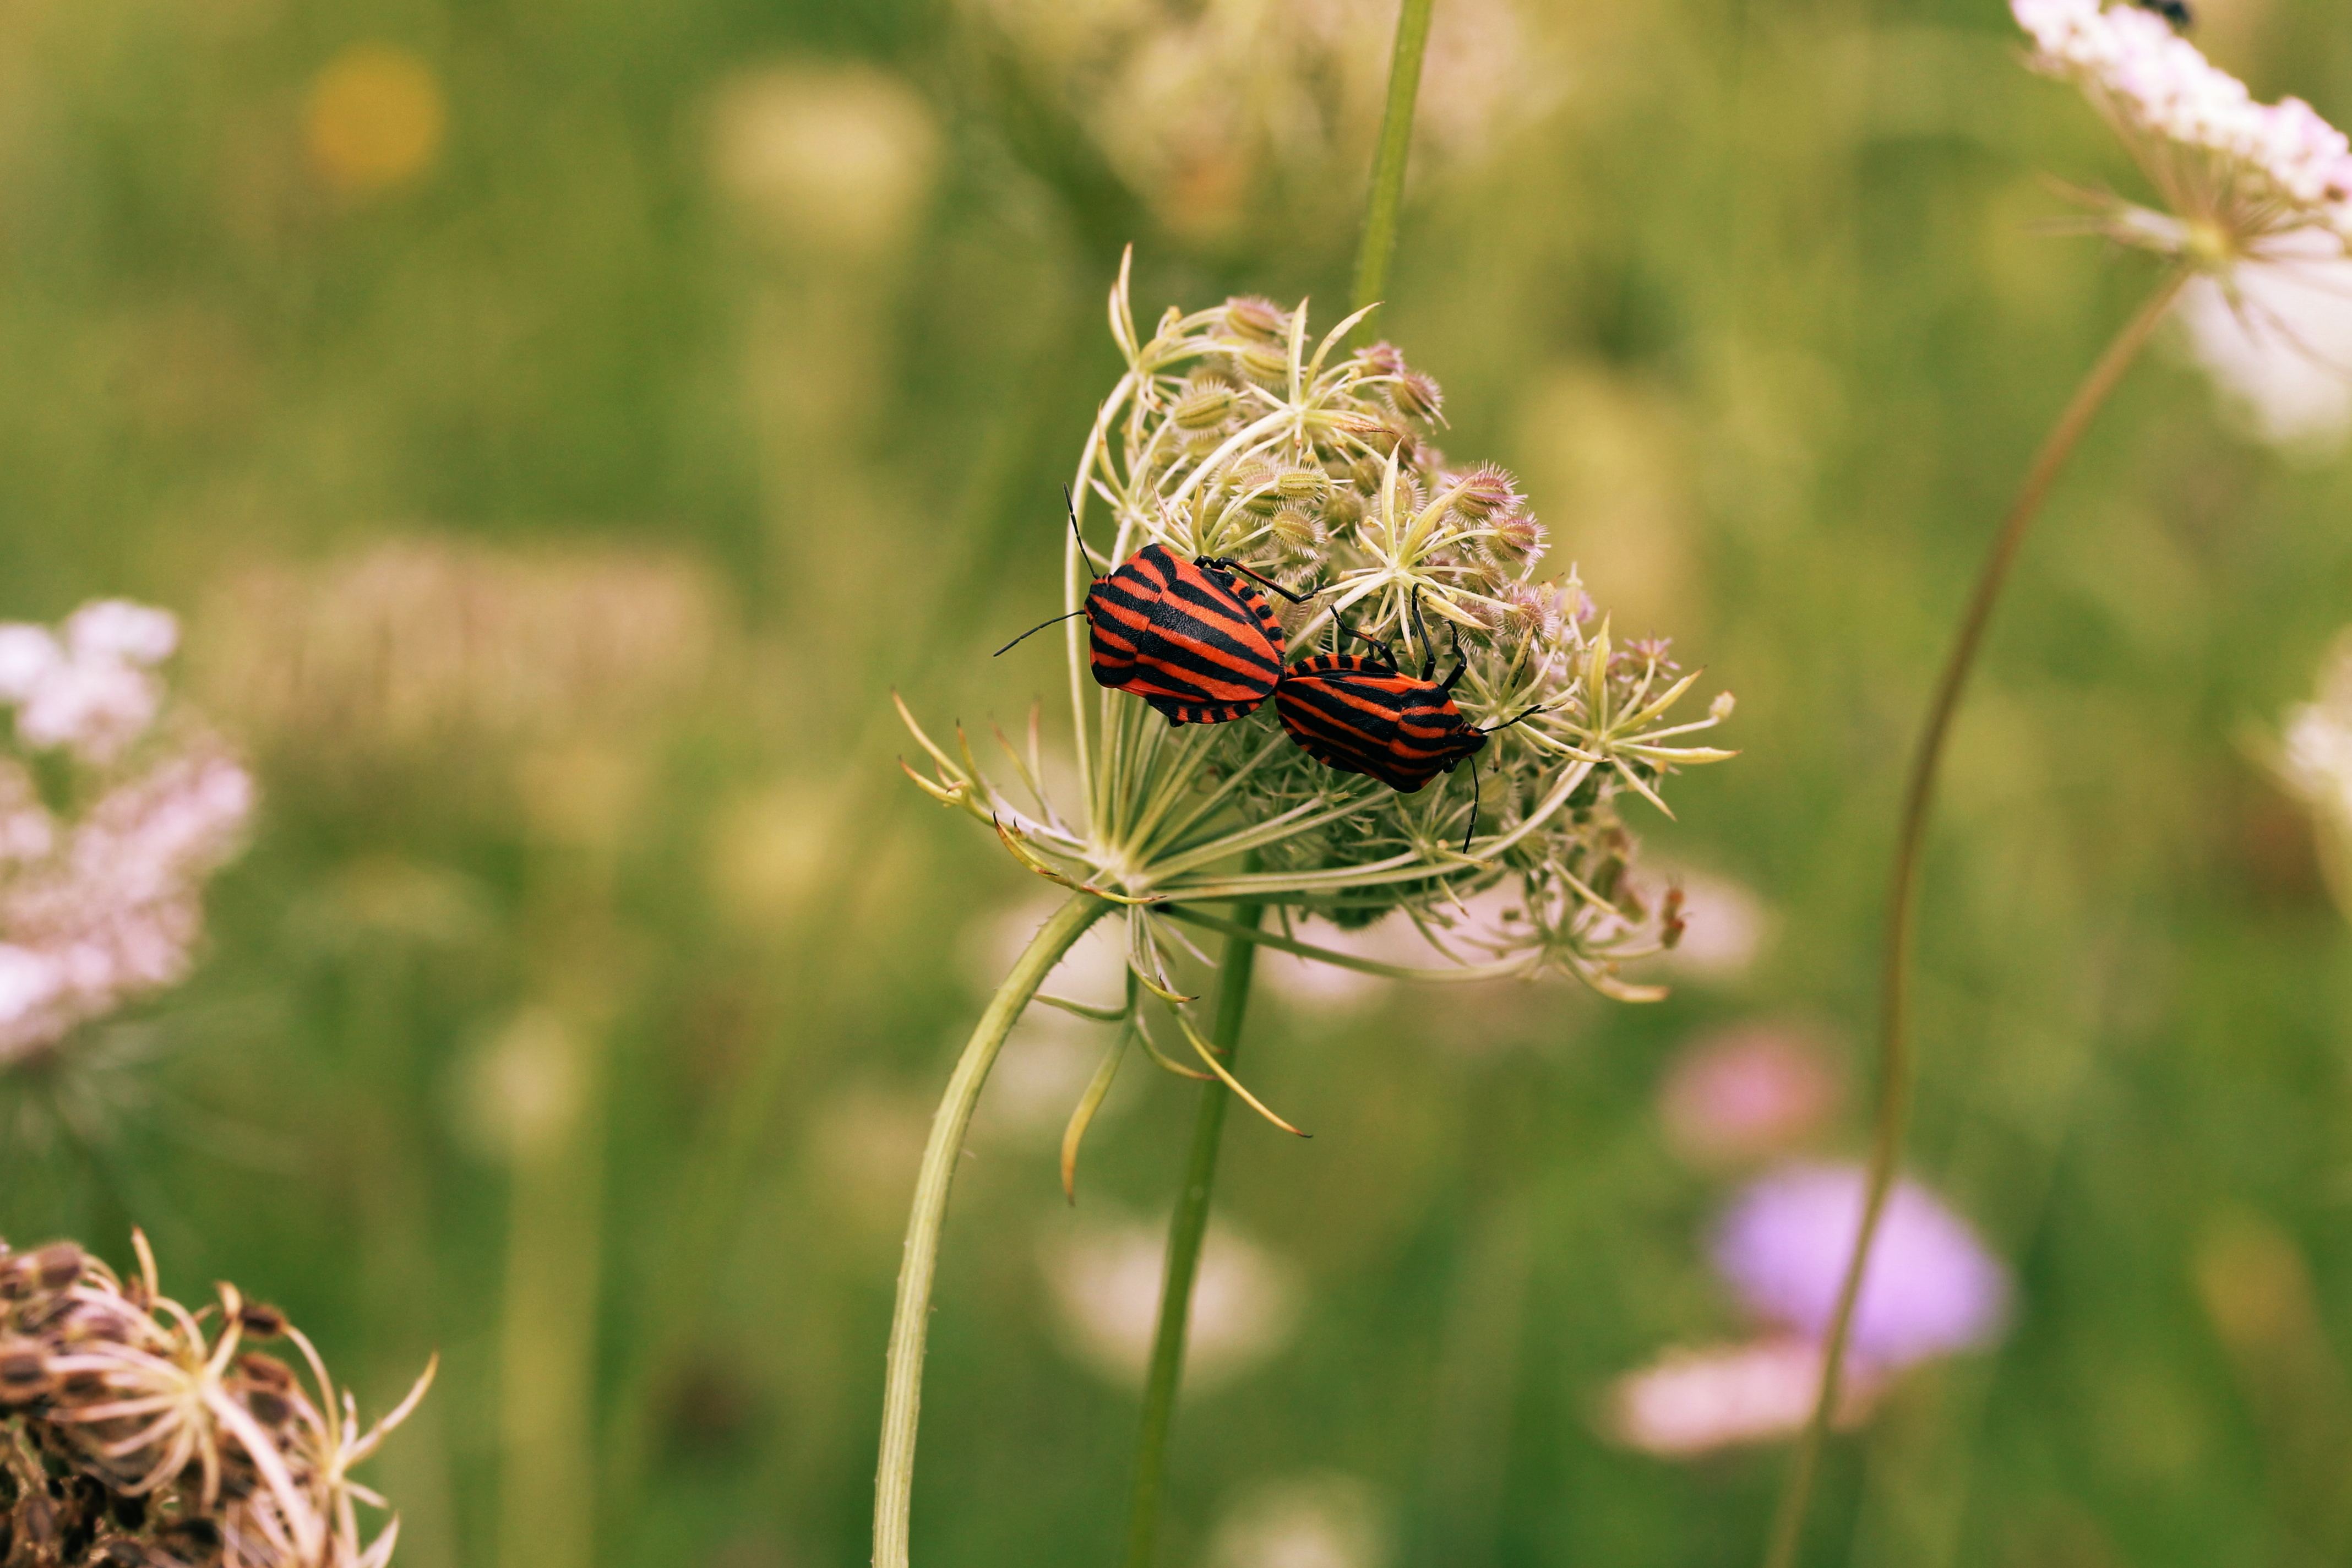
column 100, row 896
column 2217, row 155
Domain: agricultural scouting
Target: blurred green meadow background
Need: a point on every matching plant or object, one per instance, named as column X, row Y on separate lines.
column 560, row 426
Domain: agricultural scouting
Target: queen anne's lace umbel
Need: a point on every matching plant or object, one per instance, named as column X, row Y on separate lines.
column 1236, row 433
column 2217, row 153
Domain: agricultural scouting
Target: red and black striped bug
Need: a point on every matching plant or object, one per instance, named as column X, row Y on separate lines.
column 1188, row 636
column 1360, row 714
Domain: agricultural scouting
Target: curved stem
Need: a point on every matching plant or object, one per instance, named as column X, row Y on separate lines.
column 902, row 1396
column 1894, row 975
column 1396, row 142
column 1185, row 1231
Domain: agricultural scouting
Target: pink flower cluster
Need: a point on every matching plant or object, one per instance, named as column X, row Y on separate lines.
column 100, row 901
column 2161, row 89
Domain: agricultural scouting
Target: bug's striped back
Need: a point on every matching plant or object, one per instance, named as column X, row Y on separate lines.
column 1197, row 643
column 1362, row 716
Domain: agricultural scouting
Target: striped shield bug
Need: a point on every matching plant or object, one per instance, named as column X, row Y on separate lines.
column 1188, row 636
column 1359, row 713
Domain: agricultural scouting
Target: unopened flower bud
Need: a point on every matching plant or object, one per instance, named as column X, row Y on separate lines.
column 1486, row 491
column 1257, row 318
column 1204, row 409
column 1722, row 706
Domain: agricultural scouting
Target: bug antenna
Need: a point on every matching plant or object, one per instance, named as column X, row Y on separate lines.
column 1071, row 503
column 1506, row 724
column 1033, row 631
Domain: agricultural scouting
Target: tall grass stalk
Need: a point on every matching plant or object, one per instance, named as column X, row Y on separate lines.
column 1894, row 1061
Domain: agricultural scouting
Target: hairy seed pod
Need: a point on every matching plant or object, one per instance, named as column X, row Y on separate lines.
column 1205, row 409
column 1296, row 531
column 1516, row 538
column 1256, row 318
column 1308, row 485
column 1415, row 395
column 1485, row 493
column 1344, row 509
column 1263, row 364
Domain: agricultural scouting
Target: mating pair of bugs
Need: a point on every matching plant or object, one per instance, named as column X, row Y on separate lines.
column 1204, row 646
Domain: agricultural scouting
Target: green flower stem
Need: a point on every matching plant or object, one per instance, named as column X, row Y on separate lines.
column 902, row 1395
column 1894, row 1066
column 1396, row 142
column 1185, row 1231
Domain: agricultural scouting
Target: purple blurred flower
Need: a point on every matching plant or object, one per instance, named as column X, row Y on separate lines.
column 1932, row 1289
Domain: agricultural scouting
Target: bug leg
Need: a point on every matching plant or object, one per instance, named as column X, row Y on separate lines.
column 1227, row 563
column 1471, row 831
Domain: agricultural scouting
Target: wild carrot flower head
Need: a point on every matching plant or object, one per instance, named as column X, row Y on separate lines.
column 1237, row 434
column 2234, row 173
column 103, row 855
column 133, row 1433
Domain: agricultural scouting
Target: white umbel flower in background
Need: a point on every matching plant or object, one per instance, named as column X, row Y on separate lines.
column 2258, row 204
column 2277, row 341
column 100, row 894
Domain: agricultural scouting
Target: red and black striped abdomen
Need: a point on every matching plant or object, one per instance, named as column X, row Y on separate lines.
column 1193, row 641
column 1361, row 716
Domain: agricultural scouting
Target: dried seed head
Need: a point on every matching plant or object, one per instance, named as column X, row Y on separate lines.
column 24, row 1371
column 58, row 1265
column 1256, row 318
column 262, row 1320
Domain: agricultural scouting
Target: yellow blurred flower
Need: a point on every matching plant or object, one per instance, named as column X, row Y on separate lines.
column 375, row 119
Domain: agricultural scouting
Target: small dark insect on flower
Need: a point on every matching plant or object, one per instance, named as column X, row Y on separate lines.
column 2176, row 12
